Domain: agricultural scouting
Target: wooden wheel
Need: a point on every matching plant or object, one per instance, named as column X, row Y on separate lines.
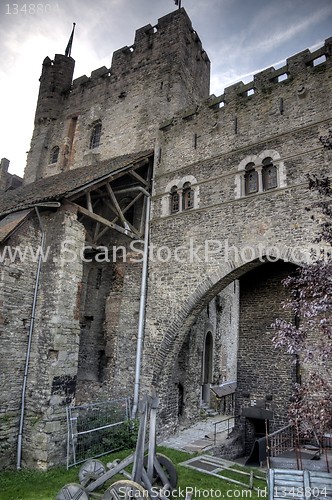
column 72, row 491
column 125, row 490
column 91, row 470
column 168, row 469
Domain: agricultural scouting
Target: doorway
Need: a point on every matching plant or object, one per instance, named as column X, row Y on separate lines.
column 207, row 367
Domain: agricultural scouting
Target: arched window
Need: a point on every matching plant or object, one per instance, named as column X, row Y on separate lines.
column 187, row 196
column 54, row 154
column 269, row 174
column 95, row 136
column 251, row 179
column 175, row 200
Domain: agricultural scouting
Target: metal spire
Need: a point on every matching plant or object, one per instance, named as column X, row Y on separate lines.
column 70, row 43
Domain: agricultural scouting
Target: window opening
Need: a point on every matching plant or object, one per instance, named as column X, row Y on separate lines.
column 269, row 173
column 54, row 156
column 95, row 136
column 188, row 196
column 175, row 200
column 251, row 179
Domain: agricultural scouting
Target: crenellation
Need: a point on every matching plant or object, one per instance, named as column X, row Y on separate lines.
column 100, row 72
column 141, row 33
column 80, row 81
column 156, row 76
column 265, row 81
column 214, row 102
column 297, row 65
column 233, row 92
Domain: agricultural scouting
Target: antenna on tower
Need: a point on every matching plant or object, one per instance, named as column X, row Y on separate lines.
column 178, row 3
column 70, row 43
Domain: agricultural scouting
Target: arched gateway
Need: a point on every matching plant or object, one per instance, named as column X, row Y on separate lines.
column 231, row 312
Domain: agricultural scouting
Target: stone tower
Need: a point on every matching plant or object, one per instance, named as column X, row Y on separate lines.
column 165, row 70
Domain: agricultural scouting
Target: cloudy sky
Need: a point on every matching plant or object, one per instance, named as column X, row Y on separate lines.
column 241, row 37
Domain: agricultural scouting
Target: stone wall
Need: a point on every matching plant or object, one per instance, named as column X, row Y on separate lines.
column 220, row 319
column 83, row 346
column 85, row 333
column 109, row 322
column 8, row 181
column 211, row 146
column 51, row 381
column 17, row 284
column 265, row 376
column 164, row 71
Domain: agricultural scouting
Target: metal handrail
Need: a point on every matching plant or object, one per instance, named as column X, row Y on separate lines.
column 228, row 426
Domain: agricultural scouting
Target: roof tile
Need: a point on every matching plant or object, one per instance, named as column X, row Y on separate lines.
column 60, row 185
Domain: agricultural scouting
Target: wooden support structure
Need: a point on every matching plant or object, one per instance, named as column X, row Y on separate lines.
column 107, row 195
column 102, row 220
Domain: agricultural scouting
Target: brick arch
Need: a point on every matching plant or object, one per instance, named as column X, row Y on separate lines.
column 204, row 293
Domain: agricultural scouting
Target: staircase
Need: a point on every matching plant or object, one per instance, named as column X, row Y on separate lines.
column 210, row 412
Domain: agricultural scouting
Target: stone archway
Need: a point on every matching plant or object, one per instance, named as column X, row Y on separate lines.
column 169, row 347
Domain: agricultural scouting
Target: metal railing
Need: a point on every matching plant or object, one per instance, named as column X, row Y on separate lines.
column 280, row 441
column 229, row 427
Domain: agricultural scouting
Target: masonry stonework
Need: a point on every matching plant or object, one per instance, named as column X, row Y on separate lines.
column 222, row 233
column 164, row 70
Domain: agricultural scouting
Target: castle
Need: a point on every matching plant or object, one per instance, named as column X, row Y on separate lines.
column 138, row 156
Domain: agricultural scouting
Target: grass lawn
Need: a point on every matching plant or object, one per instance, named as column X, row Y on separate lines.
column 36, row 485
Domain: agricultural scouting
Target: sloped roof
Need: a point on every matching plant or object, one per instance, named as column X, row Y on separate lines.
column 63, row 184
column 10, row 223
column 224, row 389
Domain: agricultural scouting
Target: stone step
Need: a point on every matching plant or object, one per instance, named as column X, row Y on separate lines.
column 210, row 412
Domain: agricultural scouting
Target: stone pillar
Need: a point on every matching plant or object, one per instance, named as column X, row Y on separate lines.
column 4, row 165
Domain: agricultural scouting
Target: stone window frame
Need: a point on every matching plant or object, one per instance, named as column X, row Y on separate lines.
column 54, row 155
column 174, row 200
column 259, row 162
column 181, row 187
column 95, row 135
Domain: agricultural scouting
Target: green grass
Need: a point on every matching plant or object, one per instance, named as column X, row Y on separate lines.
column 37, row 485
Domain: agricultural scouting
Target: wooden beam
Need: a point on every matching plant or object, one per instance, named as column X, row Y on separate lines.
column 88, row 201
column 102, row 220
column 138, row 177
column 128, row 206
column 117, row 206
column 133, row 201
column 97, row 229
column 109, row 178
column 88, row 236
column 101, row 233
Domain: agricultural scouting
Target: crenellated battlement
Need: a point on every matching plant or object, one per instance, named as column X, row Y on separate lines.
column 161, row 81
column 55, row 82
column 163, row 71
column 151, row 43
column 297, row 68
